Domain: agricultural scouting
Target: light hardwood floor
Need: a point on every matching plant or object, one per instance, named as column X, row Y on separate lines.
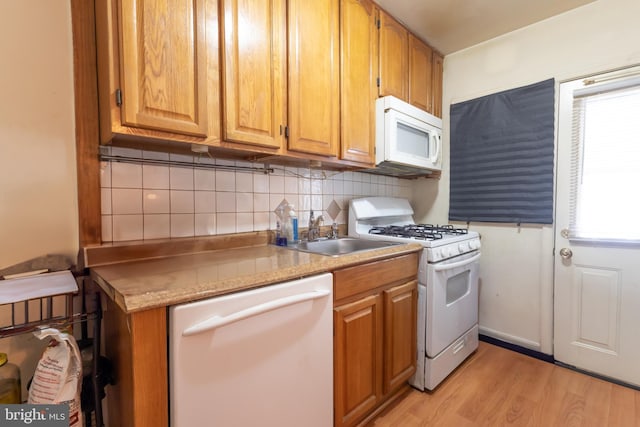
column 497, row 387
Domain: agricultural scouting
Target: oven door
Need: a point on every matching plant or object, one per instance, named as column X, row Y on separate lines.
column 452, row 300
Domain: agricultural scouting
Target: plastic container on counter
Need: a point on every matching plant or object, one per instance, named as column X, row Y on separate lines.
column 10, row 386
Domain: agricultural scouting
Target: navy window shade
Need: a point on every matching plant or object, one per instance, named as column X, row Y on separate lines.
column 502, row 156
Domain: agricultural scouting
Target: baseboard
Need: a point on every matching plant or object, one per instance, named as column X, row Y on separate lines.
column 517, row 348
column 513, row 339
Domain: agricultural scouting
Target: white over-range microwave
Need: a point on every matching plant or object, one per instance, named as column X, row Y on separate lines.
column 408, row 139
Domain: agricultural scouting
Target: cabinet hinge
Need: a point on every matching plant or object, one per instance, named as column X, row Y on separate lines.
column 118, row 97
column 378, row 81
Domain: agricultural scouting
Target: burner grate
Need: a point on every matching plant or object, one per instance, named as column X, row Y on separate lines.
column 418, row 231
column 445, row 229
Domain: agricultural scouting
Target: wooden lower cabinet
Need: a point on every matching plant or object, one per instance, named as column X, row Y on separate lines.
column 357, row 358
column 400, row 334
column 136, row 344
column 374, row 347
column 375, row 335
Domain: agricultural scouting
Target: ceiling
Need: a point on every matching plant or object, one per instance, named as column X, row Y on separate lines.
column 452, row 25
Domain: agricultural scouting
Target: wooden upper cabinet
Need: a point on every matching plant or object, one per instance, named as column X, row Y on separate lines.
column 420, row 72
column 254, row 72
column 409, row 68
column 158, row 72
column 314, row 76
column 437, row 84
column 359, row 65
column 164, row 63
column 394, row 62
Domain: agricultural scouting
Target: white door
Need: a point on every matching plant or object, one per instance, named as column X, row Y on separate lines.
column 597, row 235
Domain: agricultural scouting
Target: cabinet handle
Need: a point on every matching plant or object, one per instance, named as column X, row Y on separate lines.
column 219, row 321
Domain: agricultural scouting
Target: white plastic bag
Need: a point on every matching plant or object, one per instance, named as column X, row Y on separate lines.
column 58, row 376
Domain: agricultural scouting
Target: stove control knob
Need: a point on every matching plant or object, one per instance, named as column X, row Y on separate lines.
column 446, row 252
column 462, row 247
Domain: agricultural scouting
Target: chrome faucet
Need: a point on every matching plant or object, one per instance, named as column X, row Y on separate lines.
column 333, row 234
column 314, row 227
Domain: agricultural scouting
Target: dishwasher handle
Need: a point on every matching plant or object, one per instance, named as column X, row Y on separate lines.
column 219, row 321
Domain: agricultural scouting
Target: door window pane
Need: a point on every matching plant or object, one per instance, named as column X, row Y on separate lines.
column 608, row 198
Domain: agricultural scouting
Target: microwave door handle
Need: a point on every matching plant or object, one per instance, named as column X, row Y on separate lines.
column 436, row 148
column 471, row 260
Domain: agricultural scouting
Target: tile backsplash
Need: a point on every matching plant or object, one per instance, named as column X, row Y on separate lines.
column 142, row 201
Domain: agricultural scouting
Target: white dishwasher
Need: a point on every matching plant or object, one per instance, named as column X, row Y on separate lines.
column 262, row 357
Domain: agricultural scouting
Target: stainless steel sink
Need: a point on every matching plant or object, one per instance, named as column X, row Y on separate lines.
column 343, row 246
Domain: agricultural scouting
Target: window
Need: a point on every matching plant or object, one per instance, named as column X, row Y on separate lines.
column 501, row 157
column 605, row 199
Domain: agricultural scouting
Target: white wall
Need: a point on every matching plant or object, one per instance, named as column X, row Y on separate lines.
column 517, row 265
column 38, row 197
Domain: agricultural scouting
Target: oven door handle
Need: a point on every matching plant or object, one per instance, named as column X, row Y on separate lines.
column 442, row 267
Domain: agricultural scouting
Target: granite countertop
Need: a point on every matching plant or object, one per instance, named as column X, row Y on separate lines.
column 173, row 279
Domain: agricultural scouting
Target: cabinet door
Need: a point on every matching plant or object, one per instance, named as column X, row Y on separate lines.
column 436, row 84
column 254, row 70
column 164, row 65
column 357, row 359
column 314, row 75
column 420, row 74
column 400, row 334
column 359, row 62
column 394, row 40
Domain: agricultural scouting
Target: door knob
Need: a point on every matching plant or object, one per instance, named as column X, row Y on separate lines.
column 566, row 253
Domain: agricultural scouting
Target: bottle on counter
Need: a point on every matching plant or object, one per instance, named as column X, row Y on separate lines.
column 289, row 224
column 294, row 225
column 281, row 227
column 280, row 239
column 10, row 386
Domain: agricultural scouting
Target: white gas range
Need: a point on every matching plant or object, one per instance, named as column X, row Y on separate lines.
column 447, row 277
